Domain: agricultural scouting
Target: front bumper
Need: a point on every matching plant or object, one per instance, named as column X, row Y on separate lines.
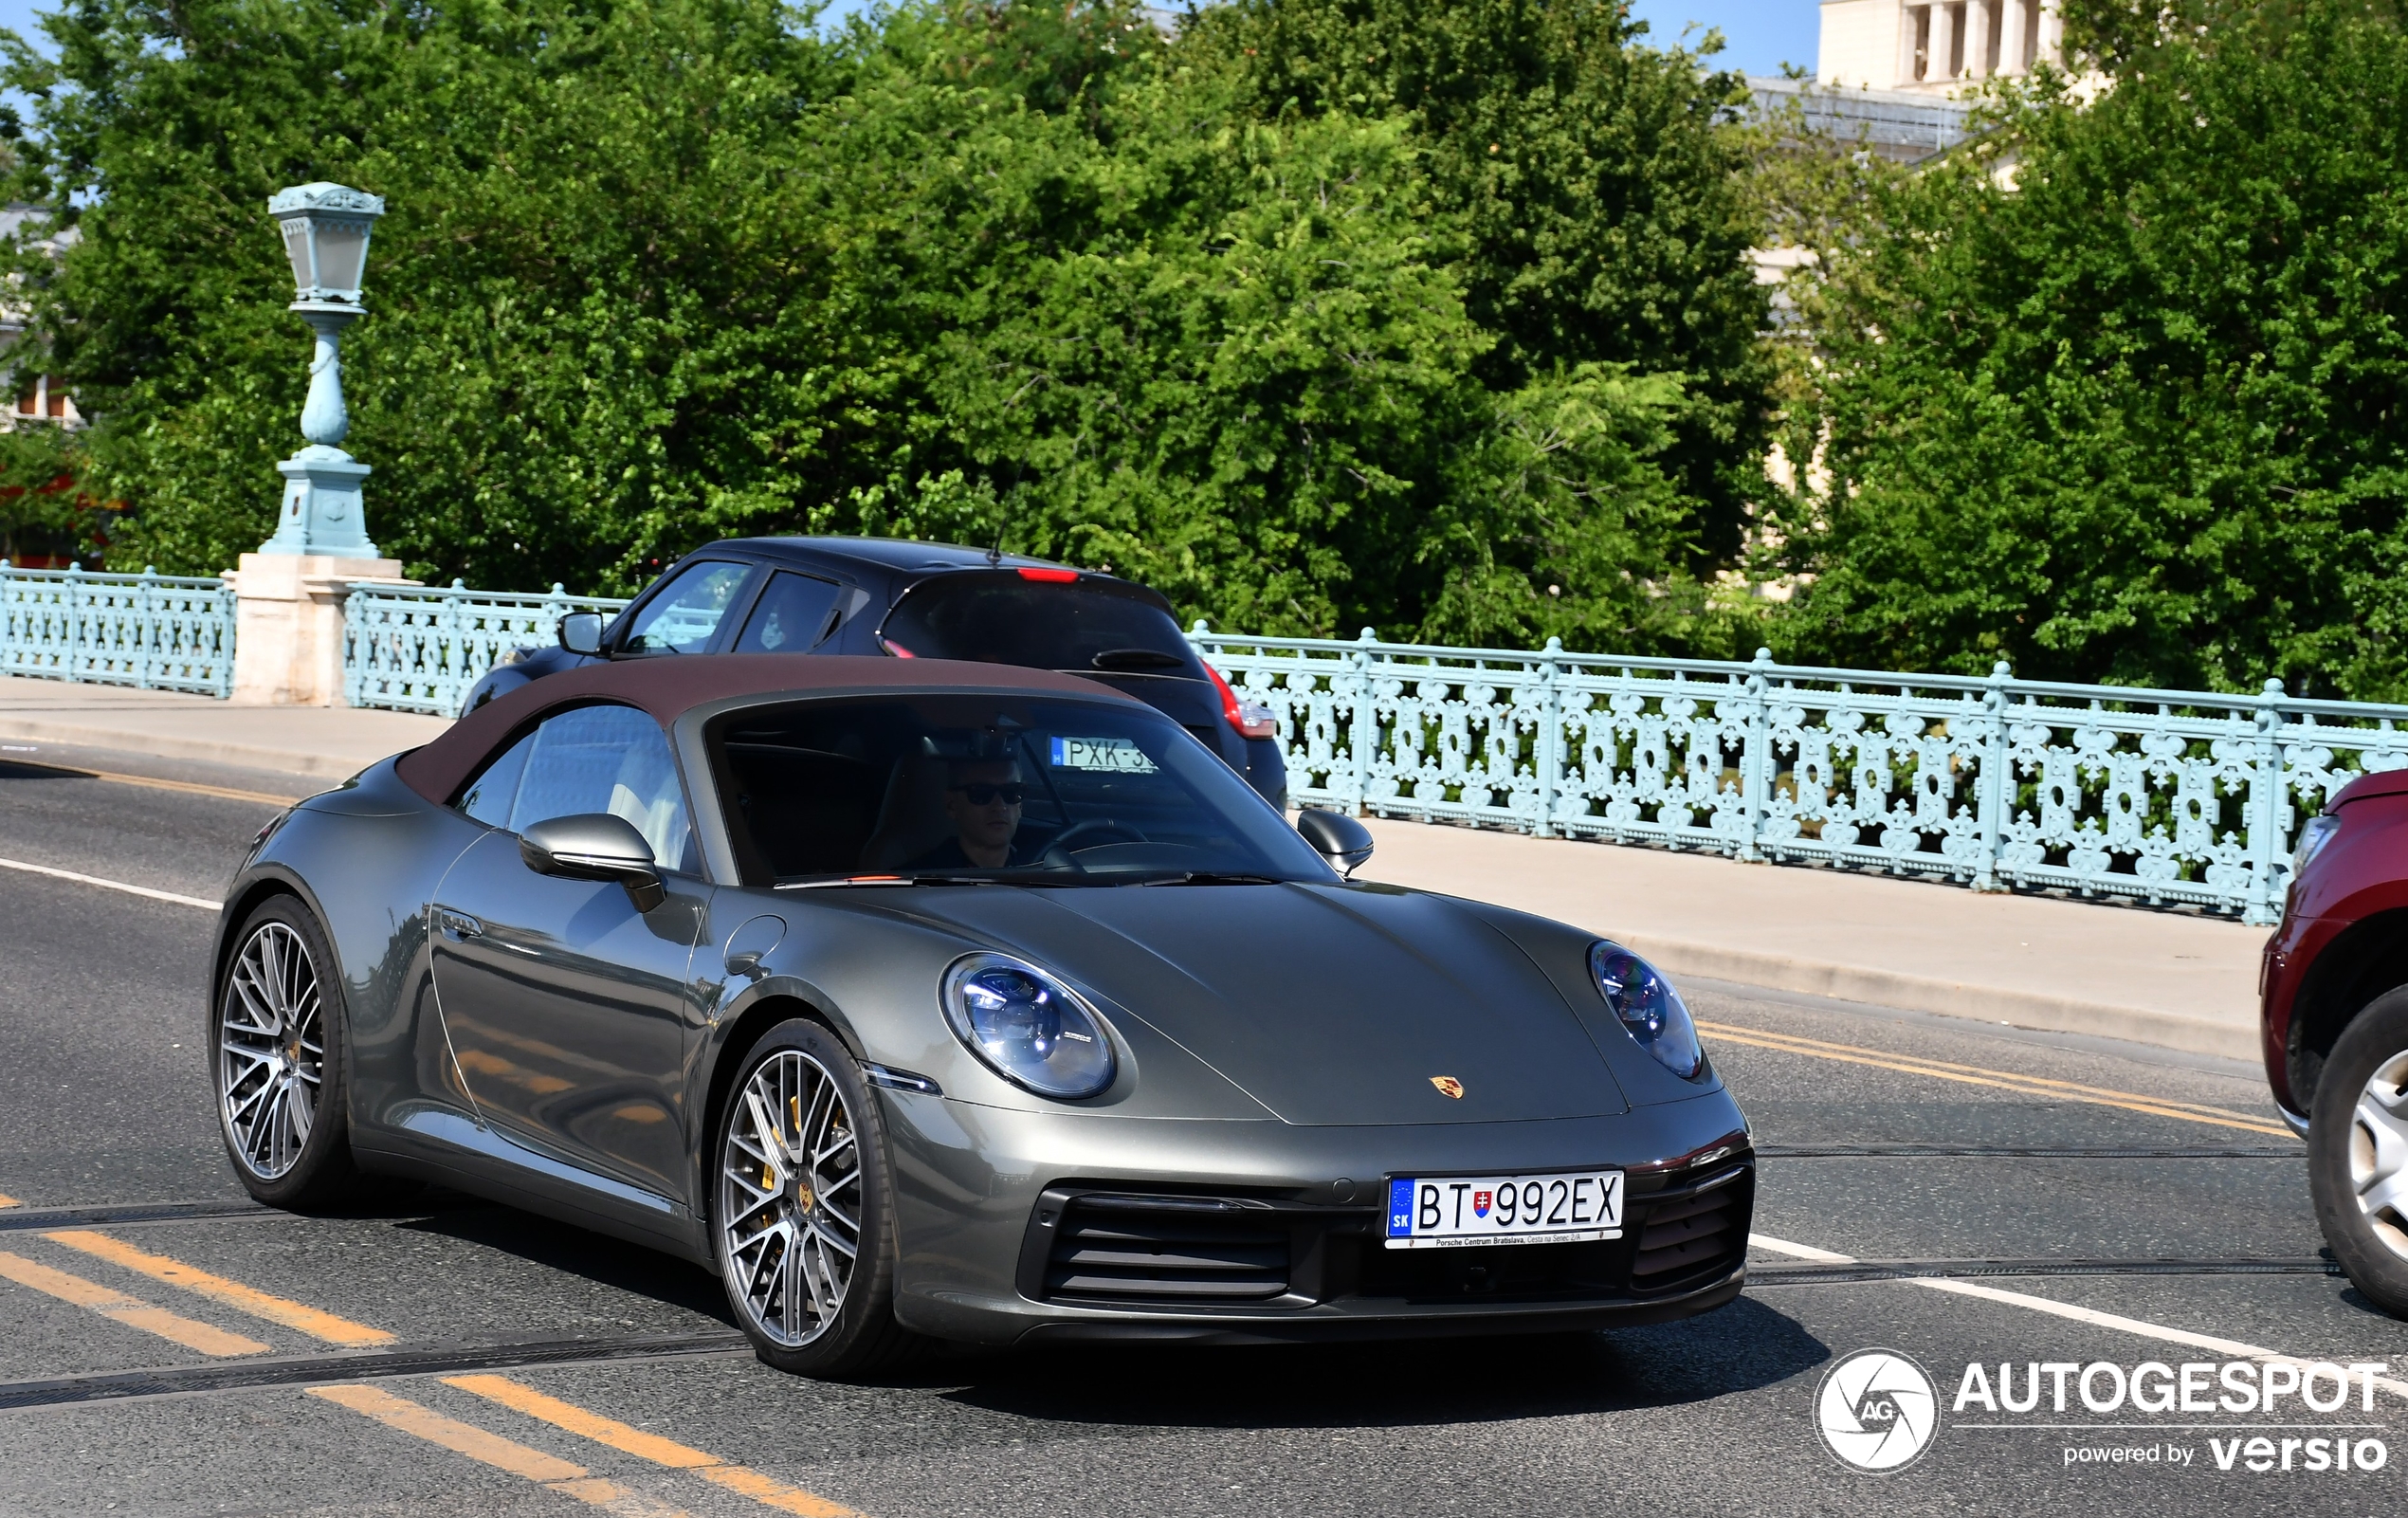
column 1042, row 1227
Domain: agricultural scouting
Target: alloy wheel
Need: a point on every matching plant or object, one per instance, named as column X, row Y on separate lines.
column 2378, row 1153
column 271, row 1050
column 790, row 1201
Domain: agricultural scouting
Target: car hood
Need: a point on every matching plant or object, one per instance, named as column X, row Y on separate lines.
column 1326, row 1004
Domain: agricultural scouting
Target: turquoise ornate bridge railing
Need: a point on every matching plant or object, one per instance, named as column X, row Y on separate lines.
column 2154, row 795
column 156, row 632
column 416, row 649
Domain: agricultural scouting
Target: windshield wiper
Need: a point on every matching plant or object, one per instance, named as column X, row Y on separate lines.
column 885, row 880
column 1214, row 877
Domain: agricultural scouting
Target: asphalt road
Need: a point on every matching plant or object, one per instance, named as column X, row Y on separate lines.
column 2077, row 1258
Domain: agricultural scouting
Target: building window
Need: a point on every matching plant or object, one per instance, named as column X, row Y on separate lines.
column 39, row 401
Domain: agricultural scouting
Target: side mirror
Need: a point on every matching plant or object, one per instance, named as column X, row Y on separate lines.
column 1336, row 837
column 595, row 846
column 581, row 632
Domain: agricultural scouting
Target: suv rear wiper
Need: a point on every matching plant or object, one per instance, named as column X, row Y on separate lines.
column 1136, row 659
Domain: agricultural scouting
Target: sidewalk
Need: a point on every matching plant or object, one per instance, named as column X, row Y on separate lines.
column 2119, row 972
column 322, row 742
column 2176, row 981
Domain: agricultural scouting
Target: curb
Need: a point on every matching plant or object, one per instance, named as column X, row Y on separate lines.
column 1954, row 998
column 314, row 766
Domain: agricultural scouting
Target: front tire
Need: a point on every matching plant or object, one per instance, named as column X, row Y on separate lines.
column 2358, row 1152
column 279, row 1055
column 803, row 1208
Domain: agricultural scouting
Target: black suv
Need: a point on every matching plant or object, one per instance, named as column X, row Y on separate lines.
column 918, row 601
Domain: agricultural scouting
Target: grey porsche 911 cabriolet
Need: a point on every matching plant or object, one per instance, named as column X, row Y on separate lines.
column 959, row 1001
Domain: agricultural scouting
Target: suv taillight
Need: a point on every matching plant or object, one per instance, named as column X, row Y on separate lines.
column 1250, row 718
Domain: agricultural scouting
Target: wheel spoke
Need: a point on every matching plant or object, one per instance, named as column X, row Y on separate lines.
column 823, row 1106
column 772, row 1152
column 791, row 1281
column 841, row 1144
column 829, row 1294
column 755, row 1239
column 301, row 1112
column 245, row 1109
column 264, row 1128
column 830, row 1209
column 831, row 1237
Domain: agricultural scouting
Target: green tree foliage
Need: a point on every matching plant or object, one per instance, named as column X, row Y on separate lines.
column 1583, row 194
column 659, row 272
column 44, row 511
column 2137, row 417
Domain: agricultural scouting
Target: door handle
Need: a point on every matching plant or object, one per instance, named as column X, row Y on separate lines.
column 457, row 926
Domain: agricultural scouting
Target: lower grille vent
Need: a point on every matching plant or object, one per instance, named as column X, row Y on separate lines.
column 1166, row 1249
column 1697, row 1231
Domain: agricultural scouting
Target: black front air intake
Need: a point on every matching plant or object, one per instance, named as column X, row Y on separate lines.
column 1691, row 1231
column 1161, row 1250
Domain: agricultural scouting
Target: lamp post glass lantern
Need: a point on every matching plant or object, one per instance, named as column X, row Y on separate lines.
column 326, row 228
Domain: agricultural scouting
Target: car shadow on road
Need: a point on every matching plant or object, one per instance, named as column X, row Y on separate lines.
column 564, row 1247
column 1403, row 1383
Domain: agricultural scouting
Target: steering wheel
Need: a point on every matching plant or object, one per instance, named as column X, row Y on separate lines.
column 1057, row 853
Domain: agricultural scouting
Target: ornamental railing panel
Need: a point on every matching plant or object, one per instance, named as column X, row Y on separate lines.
column 2162, row 797
column 149, row 631
column 422, row 649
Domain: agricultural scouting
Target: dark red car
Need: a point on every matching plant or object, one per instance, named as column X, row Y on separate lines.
column 2334, row 999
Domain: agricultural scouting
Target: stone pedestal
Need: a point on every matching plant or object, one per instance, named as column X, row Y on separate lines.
column 322, row 513
column 288, row 624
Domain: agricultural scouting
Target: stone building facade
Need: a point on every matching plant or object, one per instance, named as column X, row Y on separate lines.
column 1934, row 48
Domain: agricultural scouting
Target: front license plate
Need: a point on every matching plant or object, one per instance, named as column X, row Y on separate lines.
column 1453, row 1212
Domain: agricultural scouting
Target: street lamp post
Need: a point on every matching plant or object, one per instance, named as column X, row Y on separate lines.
column 326, row 230
column 290, row 637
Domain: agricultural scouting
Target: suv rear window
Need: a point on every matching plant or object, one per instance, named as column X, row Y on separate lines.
column 1039, row 619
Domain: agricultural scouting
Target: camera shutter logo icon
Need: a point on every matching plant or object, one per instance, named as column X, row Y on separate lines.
column 1877, row 1410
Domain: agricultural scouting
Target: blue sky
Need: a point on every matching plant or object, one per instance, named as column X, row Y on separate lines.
column 1760, row 35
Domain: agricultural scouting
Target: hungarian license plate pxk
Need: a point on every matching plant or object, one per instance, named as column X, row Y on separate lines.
column 1453, row 1212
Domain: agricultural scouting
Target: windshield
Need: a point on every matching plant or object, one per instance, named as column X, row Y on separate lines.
column 1042, row 618
column 1033, row 790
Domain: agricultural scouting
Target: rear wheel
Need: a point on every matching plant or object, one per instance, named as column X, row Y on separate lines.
column 2358, row 1152
column 277, row 1037
column 804, row 1208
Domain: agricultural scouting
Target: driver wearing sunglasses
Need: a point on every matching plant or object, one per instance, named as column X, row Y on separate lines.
column 982, row 800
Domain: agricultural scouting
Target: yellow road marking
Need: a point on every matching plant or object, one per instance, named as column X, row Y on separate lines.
column 2003, row 1080
column 189, row 787
column 521, row 1398
column 10, row 1201
column 127, row 1310
column 492, row 1449
column 309, row 1319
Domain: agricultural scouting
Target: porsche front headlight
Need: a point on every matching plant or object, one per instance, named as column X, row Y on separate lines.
column 1647, row 1006
column 1028, row 1027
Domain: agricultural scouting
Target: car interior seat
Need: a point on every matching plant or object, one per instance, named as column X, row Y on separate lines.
column 912, row 819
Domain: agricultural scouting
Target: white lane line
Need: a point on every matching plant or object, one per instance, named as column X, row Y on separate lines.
column 1803, row 1252
column 111, row 884
column 2231, row 1348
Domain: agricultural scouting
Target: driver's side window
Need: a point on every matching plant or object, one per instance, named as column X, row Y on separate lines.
column 684, row 616
column 590, row 758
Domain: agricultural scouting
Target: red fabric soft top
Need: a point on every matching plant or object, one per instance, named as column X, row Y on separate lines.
column 667, row 686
